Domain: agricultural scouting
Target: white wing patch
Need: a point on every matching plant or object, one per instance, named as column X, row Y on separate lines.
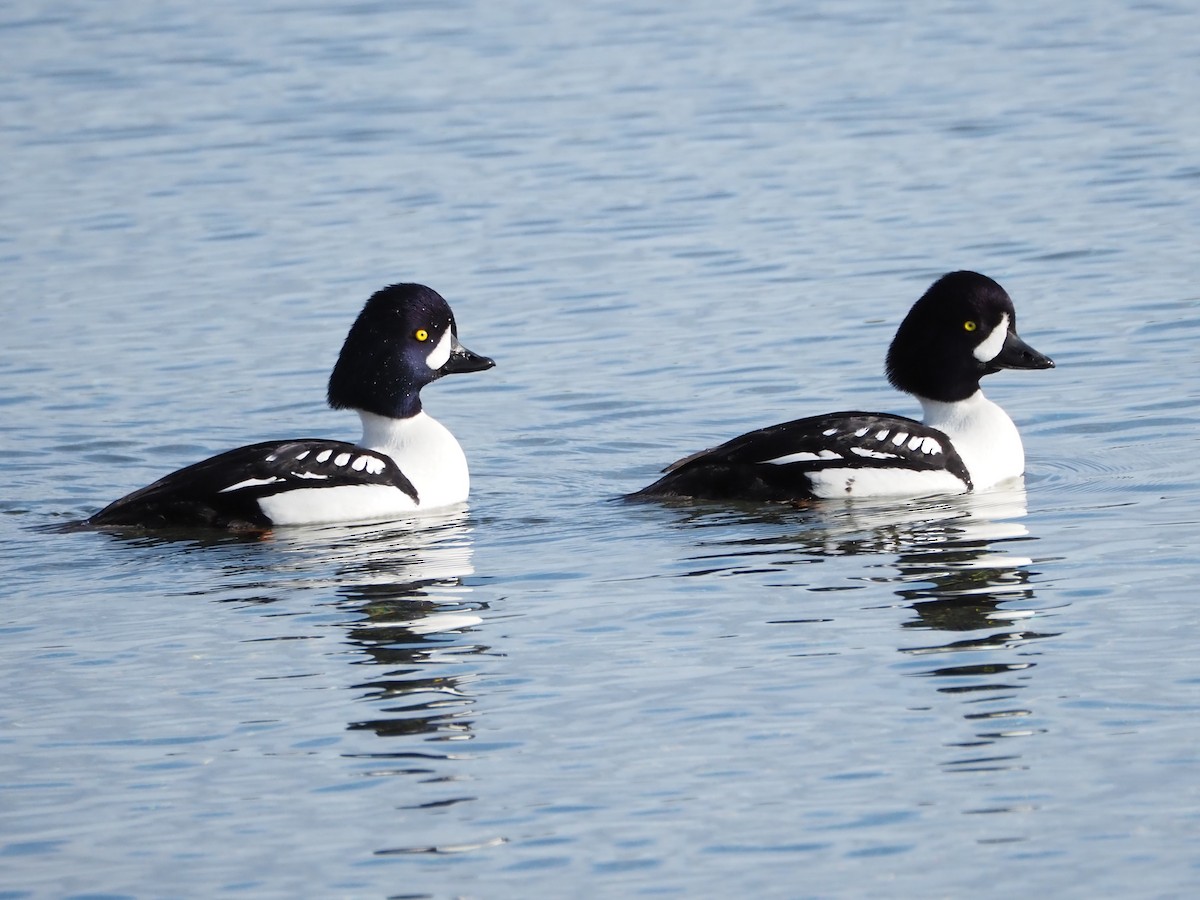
column 250, row 482
column 871, row 454
column 926, row 445
column 803, row 456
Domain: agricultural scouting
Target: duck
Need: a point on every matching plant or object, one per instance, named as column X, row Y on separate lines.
column 963, row 328
column 404, row 338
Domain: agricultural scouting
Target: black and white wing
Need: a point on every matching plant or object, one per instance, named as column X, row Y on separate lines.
column 224, row 490
column 838, row 454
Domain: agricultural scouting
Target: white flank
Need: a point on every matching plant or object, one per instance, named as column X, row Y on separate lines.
column 348, row 503
column 990, row 346
column 884, row 482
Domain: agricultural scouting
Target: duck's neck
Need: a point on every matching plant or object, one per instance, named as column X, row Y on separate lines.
column 983, row 434
column 385, row 433
column 426, row 452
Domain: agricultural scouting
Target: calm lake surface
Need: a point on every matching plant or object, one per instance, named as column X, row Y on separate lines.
column 668, row 224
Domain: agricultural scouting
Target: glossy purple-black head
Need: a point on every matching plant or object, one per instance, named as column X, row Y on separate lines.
column 404, row 338
column 964, row 327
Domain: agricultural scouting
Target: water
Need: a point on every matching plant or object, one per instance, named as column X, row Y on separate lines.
column 668, row 225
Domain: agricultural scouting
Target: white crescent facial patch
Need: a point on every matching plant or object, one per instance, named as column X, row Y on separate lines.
column 989, row 348
column 441, row 352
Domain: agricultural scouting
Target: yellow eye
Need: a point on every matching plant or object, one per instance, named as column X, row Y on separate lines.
column 970, row 325
column 421, row 334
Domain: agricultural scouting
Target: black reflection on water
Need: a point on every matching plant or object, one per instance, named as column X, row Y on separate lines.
column 408, row 614
column 400, row 585
column 954, row 566
column 416, row 638
column 962, row 587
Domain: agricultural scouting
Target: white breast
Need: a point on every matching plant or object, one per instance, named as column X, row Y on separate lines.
column 984, row 436
column 426, row 452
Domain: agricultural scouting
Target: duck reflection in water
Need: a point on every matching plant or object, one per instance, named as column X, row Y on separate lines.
column 399, row 591
column 964, row 585
column 413, row 620
column 400, row 599
column 954, row 562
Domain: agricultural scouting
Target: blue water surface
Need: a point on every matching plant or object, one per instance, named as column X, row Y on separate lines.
column 669, row 224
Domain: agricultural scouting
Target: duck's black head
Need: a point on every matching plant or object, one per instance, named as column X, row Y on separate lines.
column 964, row 327
column 404, row 338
